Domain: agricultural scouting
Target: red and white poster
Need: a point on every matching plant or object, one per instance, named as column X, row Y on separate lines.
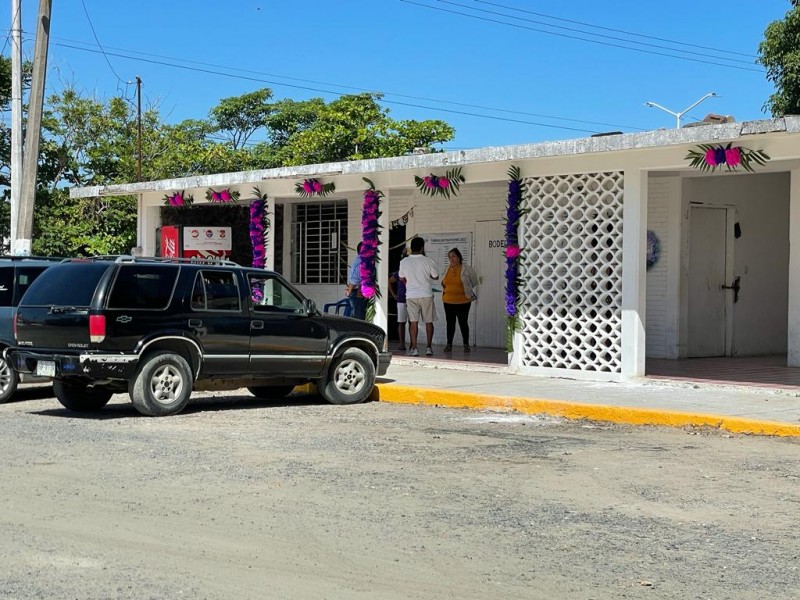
column 206, row 242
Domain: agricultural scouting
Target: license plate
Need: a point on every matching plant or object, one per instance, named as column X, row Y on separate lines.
column 46, row 368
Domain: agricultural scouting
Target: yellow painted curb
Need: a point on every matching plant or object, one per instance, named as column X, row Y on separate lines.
column 402, row 394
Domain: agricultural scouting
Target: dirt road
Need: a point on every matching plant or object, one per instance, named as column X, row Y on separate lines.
column 240, row 498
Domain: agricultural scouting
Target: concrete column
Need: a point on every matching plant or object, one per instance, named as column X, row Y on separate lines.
column 634, row 279
column 793, row 345
column 382, row 305
column 269, row 236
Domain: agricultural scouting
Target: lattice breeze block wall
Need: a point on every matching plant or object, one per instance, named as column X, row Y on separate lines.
column 571, row 313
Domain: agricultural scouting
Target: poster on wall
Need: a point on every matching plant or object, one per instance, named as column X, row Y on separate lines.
column 206, row 242
column 437, row 246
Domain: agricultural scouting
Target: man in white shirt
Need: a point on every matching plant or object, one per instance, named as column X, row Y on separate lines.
column 419, row 272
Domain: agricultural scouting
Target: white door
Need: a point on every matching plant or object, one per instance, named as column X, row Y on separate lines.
column 710, row 305
column 490, row 263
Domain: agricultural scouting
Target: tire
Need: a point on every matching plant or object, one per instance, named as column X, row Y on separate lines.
column 163, row 385
column 350, row 379
column 271, row 392
column 79, row 397
column 9, row 380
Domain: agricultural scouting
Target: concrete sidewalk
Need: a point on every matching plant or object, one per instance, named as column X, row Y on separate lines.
column 739, row 409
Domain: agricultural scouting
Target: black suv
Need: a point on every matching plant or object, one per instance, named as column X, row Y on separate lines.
column 16, row 274
column 159, row 328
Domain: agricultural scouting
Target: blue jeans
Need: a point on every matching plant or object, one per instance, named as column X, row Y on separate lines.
column 358, row 305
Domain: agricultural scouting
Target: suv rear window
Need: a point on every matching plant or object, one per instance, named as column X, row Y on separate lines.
column 143, row 286
column 66, row 284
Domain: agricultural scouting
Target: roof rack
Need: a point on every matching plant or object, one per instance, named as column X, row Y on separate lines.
column 32, row 257
column 127, row 258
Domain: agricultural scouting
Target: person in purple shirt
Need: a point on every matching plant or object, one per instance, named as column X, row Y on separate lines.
column 397, row 288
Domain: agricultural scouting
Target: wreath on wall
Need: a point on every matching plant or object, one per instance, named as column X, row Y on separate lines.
column 708, row 157
column 178, row 199
column 224, row 196
column 314, row 187
column 437, row 185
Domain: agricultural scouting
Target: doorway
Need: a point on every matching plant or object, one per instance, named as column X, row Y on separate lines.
column 710, row 331
column 489, row 262
column 397, row 238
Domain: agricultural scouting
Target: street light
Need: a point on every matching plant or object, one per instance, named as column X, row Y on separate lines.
column 678, row 115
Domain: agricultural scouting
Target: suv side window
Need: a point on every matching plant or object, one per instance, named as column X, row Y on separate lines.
column 143, row 287
column 271, row 294
column 7, row 286
column 216, row 290
column 25, row 277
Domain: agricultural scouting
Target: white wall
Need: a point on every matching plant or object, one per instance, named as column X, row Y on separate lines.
column 761, row 254
column 663, row 213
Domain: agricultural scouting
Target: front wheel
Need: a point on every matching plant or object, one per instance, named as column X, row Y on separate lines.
column 162, row 385
column 350, row 379
column 80, row 397
column 8, row 381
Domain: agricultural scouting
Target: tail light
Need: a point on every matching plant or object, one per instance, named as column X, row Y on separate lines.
column 97, row 328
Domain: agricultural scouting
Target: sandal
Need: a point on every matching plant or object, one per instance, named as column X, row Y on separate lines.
column 466, row 348
column 448, row 348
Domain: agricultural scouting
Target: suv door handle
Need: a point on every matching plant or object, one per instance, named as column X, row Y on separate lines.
column 195, row 323
column 256, row 324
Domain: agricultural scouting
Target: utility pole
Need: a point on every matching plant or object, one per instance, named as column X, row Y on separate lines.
column 16, row 117
column 678, row 115
column 34, row 130
column 139, row 125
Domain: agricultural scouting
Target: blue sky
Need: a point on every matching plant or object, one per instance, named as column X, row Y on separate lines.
column 500, row 71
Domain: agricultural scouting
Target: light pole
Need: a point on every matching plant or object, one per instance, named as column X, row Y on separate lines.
column 678, row 115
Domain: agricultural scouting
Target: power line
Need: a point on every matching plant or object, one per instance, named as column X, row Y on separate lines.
column 99, row 45
column 574, row 37
column 633, row 33
column 330, row 92
column 360, row 89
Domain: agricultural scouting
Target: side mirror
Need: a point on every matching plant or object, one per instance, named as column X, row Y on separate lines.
column 310, row 306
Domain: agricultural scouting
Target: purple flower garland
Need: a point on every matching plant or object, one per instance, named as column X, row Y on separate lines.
column 257, row 210
column 512, row 252
column 370, row 214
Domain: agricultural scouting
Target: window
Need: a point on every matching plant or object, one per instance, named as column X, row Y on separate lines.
column 68, row 284
column 270, row 294
column 319, row 242
column 25, row 277
column 143, row 286
column 216, row 290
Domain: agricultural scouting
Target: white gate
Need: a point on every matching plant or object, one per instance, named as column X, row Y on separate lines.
column 490, row 321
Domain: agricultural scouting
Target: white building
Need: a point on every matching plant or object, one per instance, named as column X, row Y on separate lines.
column 590, row 306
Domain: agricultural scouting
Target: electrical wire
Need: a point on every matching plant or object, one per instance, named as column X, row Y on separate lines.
column 359, row 89
column 574, row 37
column 623, row 31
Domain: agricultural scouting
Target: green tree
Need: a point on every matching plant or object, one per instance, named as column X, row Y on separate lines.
column 355, row 127
column 780, row 54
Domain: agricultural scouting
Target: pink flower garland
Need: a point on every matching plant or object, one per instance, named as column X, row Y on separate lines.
column 225, row 196
column 370, row 214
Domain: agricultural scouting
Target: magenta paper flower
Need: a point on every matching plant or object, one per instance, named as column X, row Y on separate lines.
column 711, row 157
column 367, row 291
column 225, row 196
column 443, row 182
column 429, row 183
column 733, row 156
column 317, row 186
column 307, row 187
column 512, row 251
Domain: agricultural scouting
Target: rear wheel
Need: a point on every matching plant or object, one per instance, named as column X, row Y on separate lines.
column 80, row 397
column 350, row 379
column 270, row 392
column 163, row 385
column 9, row 379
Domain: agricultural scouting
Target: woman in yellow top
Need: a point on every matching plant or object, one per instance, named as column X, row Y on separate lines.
column 458, row 293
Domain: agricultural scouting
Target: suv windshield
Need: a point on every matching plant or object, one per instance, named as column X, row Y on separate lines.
column 67, row 284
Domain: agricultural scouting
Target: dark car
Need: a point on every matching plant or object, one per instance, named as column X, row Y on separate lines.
column 159, row 328
column 17, row 273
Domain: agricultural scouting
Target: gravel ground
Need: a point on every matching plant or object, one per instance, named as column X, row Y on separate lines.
column 244, row 498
